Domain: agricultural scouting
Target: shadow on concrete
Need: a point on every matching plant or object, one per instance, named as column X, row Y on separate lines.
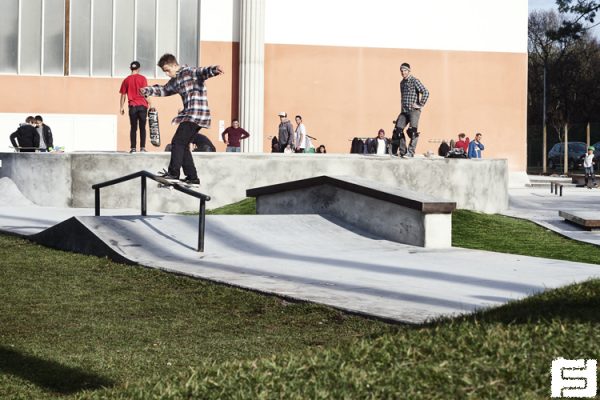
column 49, row 375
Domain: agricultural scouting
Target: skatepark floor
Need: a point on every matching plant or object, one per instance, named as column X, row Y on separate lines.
column 304, row 257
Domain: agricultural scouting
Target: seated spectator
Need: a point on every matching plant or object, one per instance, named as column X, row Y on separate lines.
column 26, row 138
column 202, row 143
column 275, row 145
column 321, row 149
column 462, row 143
column 380, row 145
column 443, row 149
column 476, row 147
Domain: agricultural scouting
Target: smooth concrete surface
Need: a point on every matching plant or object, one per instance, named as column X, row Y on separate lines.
column 538, row 205
column 518, row 179
column 304, row 257
column 381, row 218
column 65, row 180
column 312, row 258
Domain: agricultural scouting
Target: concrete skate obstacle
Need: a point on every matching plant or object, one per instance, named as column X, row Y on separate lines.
column 390, row 213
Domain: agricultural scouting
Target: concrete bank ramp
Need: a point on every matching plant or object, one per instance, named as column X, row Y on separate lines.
column 76, row 236
column 11, row 196
column 314, row 258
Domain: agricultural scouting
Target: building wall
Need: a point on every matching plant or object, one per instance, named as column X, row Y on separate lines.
column 337, row 64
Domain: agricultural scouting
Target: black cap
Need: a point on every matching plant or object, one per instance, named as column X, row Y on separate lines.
column 134, row 65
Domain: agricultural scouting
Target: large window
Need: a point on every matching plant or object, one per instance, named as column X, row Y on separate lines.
column 32, row 37
column 95, row 37
column 108, row 35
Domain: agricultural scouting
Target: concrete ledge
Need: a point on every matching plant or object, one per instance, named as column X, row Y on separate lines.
column 390, row 213
column 65, row 180
column 589, row 220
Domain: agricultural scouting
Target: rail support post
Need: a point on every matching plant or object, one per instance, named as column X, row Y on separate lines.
column 97, row 202
column 144, row 197
column 201, row 225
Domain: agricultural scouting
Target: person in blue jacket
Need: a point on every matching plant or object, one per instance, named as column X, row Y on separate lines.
column 476, row 147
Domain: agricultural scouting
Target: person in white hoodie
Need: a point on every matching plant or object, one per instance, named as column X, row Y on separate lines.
column 588, row 165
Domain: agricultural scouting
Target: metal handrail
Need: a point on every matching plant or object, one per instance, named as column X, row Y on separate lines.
column 145, row 174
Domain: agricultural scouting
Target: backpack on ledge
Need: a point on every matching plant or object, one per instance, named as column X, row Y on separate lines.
column 457, row 153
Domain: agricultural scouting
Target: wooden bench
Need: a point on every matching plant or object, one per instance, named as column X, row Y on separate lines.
column 588, row 220
column 388, row 212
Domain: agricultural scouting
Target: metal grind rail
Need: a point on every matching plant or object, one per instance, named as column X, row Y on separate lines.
column 144, row 175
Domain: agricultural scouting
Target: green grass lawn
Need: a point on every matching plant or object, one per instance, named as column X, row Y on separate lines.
column 74, row 326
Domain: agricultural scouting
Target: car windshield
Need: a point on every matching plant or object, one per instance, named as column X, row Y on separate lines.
column 577, row 146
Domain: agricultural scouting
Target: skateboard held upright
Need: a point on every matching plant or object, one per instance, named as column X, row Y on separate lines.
column 154, row 130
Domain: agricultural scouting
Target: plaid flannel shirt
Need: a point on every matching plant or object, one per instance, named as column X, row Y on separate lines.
column 410, row 89
column 189, row 83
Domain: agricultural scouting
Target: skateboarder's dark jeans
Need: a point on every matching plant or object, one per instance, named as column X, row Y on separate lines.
column 406, row 118
column 137, row 115
column 180, row 150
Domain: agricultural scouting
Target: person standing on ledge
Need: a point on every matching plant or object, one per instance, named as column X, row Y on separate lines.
column 188, row 82
column 285, row 134
column 26, row 138
column 413, row 96
column 138, row 105
column 233, row 135
column 46, row 140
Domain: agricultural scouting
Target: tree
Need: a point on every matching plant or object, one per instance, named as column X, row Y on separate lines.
column 583, row 14
column 563, row 75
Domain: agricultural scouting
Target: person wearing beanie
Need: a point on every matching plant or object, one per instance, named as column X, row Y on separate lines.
column 413, row 95
column 138, row 105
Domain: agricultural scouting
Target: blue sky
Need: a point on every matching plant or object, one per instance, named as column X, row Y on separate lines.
column 542, row 4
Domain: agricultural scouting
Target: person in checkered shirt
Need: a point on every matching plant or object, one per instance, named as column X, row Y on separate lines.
column 413, row 95
column 188, row 82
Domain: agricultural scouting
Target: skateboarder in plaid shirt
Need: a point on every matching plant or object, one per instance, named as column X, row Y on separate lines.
column 188, row 82
column 413, row 95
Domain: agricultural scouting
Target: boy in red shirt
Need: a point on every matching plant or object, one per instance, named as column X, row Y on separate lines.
column 462, row 143
column 138, row 105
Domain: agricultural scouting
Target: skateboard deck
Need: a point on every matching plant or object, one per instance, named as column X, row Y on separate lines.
column 154, row 129
column 169, row 184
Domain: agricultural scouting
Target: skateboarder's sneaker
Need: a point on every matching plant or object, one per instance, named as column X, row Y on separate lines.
column 132, row 151
column 143, row 150
column 189, row 181
column 165, row 174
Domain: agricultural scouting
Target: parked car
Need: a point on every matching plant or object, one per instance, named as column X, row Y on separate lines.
column 596, row 146
column 577, row 151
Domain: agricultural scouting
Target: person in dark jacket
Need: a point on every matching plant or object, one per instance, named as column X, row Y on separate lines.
column 379, row 145
column 46, row 139
column 25, row 138
column 286, row 133
column 202, row 144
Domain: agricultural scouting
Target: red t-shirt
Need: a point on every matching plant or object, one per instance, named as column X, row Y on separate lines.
column 131, row 87
column 462, row 144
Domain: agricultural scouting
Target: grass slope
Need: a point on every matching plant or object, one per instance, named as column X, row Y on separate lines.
column 83, row 327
